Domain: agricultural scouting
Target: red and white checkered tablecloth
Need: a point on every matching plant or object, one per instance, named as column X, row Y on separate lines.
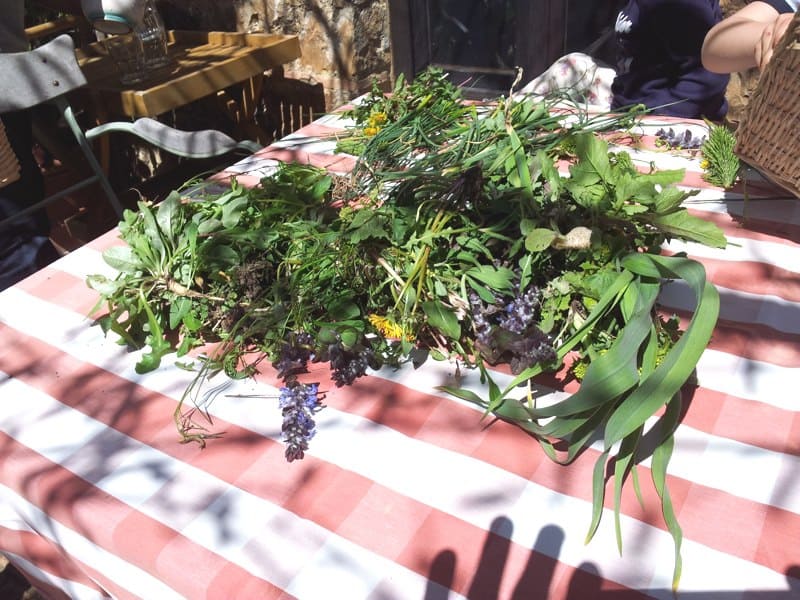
column 405, row 493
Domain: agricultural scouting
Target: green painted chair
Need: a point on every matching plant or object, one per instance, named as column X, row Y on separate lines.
column 50, row 72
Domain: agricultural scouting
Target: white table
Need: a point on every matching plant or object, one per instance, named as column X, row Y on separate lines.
column 404, row 493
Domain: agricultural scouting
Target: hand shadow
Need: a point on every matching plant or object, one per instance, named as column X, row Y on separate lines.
column 585, row 582
column 534, row 582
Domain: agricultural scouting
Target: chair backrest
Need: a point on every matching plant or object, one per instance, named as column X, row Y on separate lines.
column 30, row 78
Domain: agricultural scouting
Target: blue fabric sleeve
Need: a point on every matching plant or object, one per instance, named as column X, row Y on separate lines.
column 780, row 5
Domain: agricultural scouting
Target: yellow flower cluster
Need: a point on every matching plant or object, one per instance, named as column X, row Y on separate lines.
column 374, row 123
column 388, row 328
column 704, row 164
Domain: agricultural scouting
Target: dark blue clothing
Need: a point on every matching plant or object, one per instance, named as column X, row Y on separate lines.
column 659, row 65
column 782, row 6
column 24, row 244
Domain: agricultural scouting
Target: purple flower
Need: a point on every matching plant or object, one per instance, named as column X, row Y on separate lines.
column 298, row 403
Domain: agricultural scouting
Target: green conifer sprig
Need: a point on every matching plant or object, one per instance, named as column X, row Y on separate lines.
column 721, row 163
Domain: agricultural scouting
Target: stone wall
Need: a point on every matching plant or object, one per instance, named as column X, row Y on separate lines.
column 345, row 43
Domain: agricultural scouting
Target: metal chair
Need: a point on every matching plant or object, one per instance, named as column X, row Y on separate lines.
column 50, row 72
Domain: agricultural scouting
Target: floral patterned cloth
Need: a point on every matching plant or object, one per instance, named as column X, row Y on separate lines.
column 579, row 77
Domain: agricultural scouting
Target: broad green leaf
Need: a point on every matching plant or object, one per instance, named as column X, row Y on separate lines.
column 372, row 227
column 686, row 226
column 232, row 212
column 152, row 232
column 178, row 309
column 663, row 177
column 539, row 239
column 593, row 165
column 167, row 214
column 442, row 318
column 155, row 339
column 208, row 226
column 497, row 278
column 122, row 259
column 527, row 225
column 344, row 310
column 221, row 257
column 349, row 337
column 669, row 198
column 103, row 285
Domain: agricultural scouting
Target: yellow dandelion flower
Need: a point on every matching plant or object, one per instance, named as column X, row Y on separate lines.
column 388, row 328
column 370, row 131
column 379, row 118
column 704, row 164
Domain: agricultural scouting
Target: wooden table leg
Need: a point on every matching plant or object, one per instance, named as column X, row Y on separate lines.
column 242, row 110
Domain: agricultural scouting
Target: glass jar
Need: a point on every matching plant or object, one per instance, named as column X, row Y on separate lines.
column 126, row 51
column 153, row 35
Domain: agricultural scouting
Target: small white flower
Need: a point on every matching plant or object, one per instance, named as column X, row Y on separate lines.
column 624, row 23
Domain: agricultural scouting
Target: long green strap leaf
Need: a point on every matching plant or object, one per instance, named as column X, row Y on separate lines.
column 615, row 372
column 659, row 473
column 598, row 494
column 606, row 302
column 622, row 467
column 679, row 363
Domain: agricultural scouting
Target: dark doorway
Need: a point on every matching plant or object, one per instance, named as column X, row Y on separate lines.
column 480, row 43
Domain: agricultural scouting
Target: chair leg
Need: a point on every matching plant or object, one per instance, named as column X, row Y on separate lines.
column 69, row 117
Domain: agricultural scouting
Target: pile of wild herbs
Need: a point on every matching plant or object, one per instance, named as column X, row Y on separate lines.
column 455, row 237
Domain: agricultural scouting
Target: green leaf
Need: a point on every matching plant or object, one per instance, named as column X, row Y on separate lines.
column 123, row 259
column 669, row 199
column 103, row 285
column 152, row 232
column 657, row 389
column 598, row 494
column 442, row 318
column 367, row 224
column 208, row 226
column 167, row 214
column 349, row 337
column 344, row 310
column 155, row 339
column 232, row 212
column 221, row 257
column 593, row 165
column 539, row 239
column 622, row 467
column 615, row 372
column 497, row 278
column 686, row 226
column 658, row 469
column 178, row 309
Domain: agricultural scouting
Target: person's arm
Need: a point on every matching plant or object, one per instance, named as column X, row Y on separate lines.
column 745, row 39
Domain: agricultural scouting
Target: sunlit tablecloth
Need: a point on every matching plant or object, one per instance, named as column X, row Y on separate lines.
column 405, row 493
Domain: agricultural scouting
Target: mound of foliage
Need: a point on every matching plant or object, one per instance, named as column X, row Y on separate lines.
column 455, row 237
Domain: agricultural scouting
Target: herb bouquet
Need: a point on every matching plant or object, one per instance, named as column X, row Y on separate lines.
column 455, row 237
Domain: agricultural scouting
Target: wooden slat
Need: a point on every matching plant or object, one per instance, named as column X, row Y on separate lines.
column 206, row 62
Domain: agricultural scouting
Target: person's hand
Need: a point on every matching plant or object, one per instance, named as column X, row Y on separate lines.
column 770, row 37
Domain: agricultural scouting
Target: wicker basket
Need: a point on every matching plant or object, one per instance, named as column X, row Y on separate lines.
column 768, row 137
column 9, row 166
